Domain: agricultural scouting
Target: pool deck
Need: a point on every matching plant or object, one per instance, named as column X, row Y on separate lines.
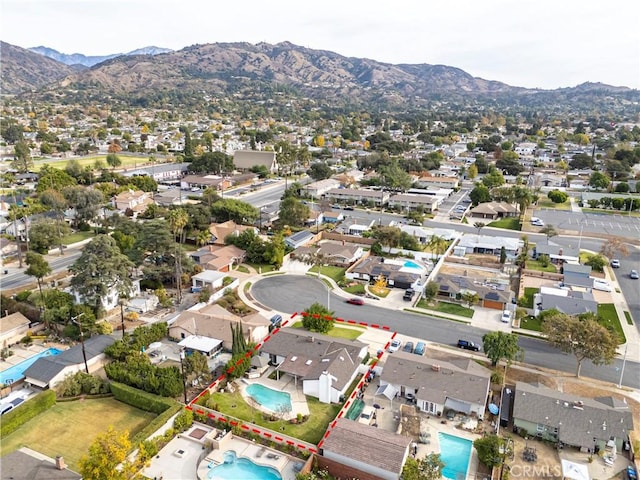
column 285, row 384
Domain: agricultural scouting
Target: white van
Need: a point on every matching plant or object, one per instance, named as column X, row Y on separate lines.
column 367, row 415
column 601, row 285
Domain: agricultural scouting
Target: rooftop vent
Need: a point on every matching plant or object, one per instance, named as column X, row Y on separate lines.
column 293, row 359
column 435, row 368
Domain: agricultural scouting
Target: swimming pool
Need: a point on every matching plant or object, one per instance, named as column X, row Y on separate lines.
column 15, row 373
column 455, row 453
column 235, row 468
column 410, row 264
column 269, row 398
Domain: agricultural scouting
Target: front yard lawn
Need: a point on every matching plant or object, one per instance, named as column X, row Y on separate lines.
column 262, row 268
column 351, row 333
column 68, row 428
column 320, row 415
column 510, row 223
column 357, row 289
column 76, row 237
column 531, row 323
column 609, row 318
column 336, row 273
column 447, row 307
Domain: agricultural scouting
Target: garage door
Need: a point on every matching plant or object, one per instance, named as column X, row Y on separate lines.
column 493, row 304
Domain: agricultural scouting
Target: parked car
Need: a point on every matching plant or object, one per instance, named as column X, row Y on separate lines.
column 601, row 285
column 420, row 348
column 395, row 345
column 367, row 416
column 615, row 263
column 408, row 294
column 633, row 274
column 349, row 208
column 355, row 301
column 537, row 222
column 468, row 345
column 408, row 347
column 506, row 316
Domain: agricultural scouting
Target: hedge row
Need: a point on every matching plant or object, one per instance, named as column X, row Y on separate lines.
column 20, row 415
column 164, row 407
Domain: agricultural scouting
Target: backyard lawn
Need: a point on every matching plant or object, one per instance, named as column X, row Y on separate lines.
column 537, row 265
column 320, row 415
column 68, row 428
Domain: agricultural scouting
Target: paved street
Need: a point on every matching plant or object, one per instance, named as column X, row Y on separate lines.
column 294, row 293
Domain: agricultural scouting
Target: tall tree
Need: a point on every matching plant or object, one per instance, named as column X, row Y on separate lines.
column 101, row 271
column 582, row 336
column 85, row 201
column 55, row 201
column 427, row 468
column 502, row 346
column 22, row 160
column 113, row 160
column 107, row 457
column 38, row 268
column 318, row 318
column 293, row 212
column 549, row 231
column 178, row 219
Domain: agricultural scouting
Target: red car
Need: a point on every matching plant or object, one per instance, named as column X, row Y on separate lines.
column 355, row 301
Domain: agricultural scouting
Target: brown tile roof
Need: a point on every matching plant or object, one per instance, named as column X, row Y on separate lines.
column 370, row 445
column 12, row 321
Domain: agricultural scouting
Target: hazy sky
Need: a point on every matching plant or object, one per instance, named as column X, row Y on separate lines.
column 537, row 44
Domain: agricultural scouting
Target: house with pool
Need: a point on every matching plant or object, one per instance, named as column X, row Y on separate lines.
column 362, row 451
column 399, row 273
column 323, row 366
column 437, row 386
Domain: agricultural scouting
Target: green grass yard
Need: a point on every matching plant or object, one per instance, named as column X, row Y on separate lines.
column 336, row 273
column 68, row 428
column 350, row 333
column 76, row 237
column 609, row 318
column 127, row 162
column 320, row 415
column 537, row 265
column 447, row 307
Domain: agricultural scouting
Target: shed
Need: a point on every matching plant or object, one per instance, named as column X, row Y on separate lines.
column 205, row 345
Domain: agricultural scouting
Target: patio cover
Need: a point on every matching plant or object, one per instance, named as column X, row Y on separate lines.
column 457, row 405
column 202, row 344
column 387, row 390
column 574, row 471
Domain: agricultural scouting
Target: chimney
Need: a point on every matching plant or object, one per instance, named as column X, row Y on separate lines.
column 435, row 368
column 60, row 465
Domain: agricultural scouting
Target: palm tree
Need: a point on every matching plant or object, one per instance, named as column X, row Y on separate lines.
column 479, row 226
column 178, row 219
column 203, row 237
column 437, row 245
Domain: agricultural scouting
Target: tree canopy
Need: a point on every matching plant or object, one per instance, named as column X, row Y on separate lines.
column 315, row 318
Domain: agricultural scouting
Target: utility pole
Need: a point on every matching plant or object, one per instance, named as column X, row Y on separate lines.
column 84, row 353
column 121, row 302
column 184, row 378
column 624, row 361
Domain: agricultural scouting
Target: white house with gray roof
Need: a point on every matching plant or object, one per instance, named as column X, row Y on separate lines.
column 326, row 366
column 572, row 420
column 460, row 384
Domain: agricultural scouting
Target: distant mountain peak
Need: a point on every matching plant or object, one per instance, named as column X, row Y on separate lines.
column 91, row 60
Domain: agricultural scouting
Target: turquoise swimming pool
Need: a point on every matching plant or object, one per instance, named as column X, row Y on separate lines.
column 15, row 373
column 455, row 453
column 410, row 264
column 235, row 468
column 269, row 398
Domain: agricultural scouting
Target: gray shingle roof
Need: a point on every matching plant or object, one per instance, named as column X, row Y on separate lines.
column 578, row 419
column 19, row 465
column 465, row 381
column 366, row 444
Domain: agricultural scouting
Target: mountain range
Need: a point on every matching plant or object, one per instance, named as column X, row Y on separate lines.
column 90, row 61
column 255, row 71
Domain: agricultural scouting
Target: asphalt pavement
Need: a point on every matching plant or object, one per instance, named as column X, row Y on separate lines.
column 293, row 293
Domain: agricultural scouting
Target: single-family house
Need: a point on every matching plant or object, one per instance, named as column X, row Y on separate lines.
column 215, row 182
column 111, row 299
column 488, row 245
column 298, row 239
column 315, row 218
column 332, row 253
column 207, row 346
column 332, row 216
column 220, row 231
column 208, row 279
column 135, row 201
column 397, row 273
column 13, row 328
column 325, row 365
column 162, row 172
column 558, row 254
column 492, row 293
column 558, row 417
column 27, row 464
column 360, row 195
column 245, row 159
column 47, row 372
column 167, row 198
column 213, row 321
column 494, row 210
column 571, row 302
column 217, row 257
column 459, row 384
column 364, row 451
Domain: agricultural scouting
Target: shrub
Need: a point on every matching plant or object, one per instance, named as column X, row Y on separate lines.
column 82, row 383
column 183, row 420
column 20, row 415
column 557, row 196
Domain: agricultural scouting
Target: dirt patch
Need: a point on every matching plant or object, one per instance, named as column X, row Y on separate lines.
column 410, row 421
